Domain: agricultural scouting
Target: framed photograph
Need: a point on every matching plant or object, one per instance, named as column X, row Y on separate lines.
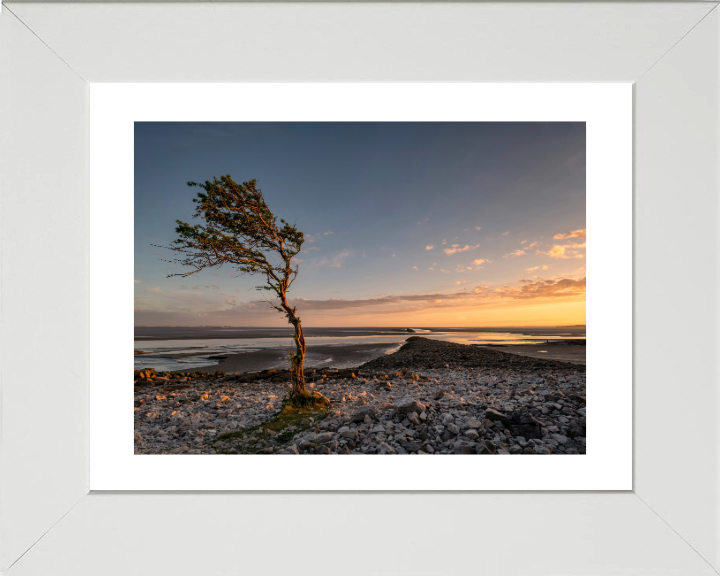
column 415, row 214
column 366, row 390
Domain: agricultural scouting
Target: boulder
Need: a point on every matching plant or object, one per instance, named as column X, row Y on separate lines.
column 359, row 416
column 412, row 446
column 486, row 448
column 496, row 416
column 525, row 424
column 408, row 405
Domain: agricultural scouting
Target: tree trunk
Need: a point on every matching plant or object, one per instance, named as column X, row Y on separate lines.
column 297, row 358
column 296, row 363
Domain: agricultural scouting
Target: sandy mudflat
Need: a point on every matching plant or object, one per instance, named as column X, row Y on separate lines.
column 316, row 357
column 563, row 353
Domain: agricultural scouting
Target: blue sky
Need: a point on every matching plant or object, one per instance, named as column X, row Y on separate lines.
column 372, row 198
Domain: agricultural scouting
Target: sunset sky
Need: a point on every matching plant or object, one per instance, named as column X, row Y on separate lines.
column 406, row 224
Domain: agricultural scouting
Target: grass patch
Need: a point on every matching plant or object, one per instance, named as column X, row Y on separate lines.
column 277, row 432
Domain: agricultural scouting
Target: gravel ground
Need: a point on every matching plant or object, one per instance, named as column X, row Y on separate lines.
column 430, row 397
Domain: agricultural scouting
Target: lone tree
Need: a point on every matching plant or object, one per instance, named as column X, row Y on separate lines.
column 240, row 230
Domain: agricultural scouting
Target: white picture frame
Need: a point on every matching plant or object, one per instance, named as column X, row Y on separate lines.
column 49, row 523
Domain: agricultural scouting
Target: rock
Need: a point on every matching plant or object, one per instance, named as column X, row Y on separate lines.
column 384, row 386
column 139, row 439
column 575, row 429
column 453, row 428
column 350, row 434
column 496, row 416
column 412, row 446
column 440, row 394
column 360, row 415
column 525, row 424
column 486, row 448
column 322, row 437
column 559, row 438
column 384, row 448
column 408, row 405
column 413, row 417
column 472, row 434
column 473, row 423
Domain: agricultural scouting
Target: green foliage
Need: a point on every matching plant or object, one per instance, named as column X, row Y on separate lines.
column 239, row 230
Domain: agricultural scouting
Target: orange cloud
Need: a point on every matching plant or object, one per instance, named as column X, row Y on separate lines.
column 564, row 287
column 573, row 234
column 516, row 253
column 456, row 248
column 556, row 252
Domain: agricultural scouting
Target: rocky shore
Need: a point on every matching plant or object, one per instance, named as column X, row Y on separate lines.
column 429, row 397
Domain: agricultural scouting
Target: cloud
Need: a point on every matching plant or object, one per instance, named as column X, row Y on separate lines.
column 564, row 251
column 560, row 252
column 137, row 281
column 516, row 253
column 532, row 269
column 334, row 261
column 533, row 245
column 393, row 256
column 155, row 290
column 183, row 306
column 313, row 237
column 209, row 287
column 481, row 261
column 415, row 267
column 456, row 248
column 433, row 269
column 297, row 260
column 564, row 287
column 506, row 233
column 478, row 228
column 312, row 248
column 573, row 234
column 429, row 247
column 523, row 242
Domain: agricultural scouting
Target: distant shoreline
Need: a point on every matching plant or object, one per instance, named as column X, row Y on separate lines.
column 165, row 333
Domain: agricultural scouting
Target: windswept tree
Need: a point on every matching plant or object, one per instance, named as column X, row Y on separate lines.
column 240, row 230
